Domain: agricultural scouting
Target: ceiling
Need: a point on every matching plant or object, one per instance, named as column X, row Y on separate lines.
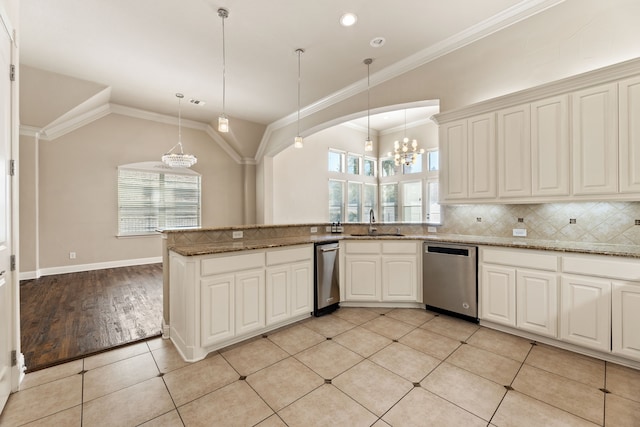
column 147, row 50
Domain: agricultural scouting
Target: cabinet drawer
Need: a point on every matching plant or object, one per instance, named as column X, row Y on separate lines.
column 521, row 258
column 399, row 248
column 282, row 256
column 602, row 267
column 225, row 264
column 362, row 247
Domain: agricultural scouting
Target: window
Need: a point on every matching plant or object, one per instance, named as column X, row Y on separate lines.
column 369, row 167
column 354, row 205
column 433, row 207
column 154, row 196
column 353, row 164
column 415, row 167
column 388, row 167
column 389, row 202
column 412, row 201
column 336, row 200
column 336, row 161
column 369, row 200
column 434, row 160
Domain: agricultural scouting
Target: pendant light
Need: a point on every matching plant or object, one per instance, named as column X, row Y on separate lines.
column 223, row 120
column 179, row 160
column 368, row 144
column 297, row 141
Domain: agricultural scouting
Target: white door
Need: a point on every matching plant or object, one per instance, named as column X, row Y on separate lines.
column 498, row 294
column 629, row 138
column 249, row 301
column 514, row 152
column 537, row 302
column 481, row 152
column 626, row 318
column 362, row 278
column 7, row 326
column 453, row 158
column 277, row 294
column 301, row 288
column 217, row 309
column 399, row 278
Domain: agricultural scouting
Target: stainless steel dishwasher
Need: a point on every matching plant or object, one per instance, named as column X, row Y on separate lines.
column 327, row 280
column 450, row 279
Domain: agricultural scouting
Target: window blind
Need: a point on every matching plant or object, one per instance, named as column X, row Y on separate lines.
column 149, row 200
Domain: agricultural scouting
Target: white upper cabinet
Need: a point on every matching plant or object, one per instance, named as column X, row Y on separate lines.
column 629, row 137
column 594, row 124
column 550, row 147
column 453, row 159
column 514, row 152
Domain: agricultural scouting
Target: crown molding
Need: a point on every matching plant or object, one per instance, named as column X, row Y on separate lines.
column 506, row 18
column 30, row 131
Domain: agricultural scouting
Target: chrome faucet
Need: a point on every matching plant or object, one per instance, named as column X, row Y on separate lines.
column 372, row 219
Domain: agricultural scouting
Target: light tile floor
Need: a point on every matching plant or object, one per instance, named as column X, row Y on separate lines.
column 400, row 367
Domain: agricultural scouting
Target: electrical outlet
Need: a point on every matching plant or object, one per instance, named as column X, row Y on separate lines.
column 520, row 232
column 431, row 229
column 314, row 229
column 72, row 255
column 238, row 234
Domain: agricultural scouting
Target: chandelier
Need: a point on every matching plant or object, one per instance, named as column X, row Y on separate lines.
column 179, row 160
column 405, row 153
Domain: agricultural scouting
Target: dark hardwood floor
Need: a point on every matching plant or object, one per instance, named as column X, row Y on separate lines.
column 68, row 316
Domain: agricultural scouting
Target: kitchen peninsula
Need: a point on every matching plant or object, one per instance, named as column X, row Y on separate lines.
column 219, row 290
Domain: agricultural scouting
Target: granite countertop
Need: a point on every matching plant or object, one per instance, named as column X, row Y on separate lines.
column 522, row 243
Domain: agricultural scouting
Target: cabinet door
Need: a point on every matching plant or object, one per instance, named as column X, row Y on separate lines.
column 250, row 301
column 278, row 294
column 498, row 294
column 362, row 277
column 514, row 152
column 626, row 319
column 537, row 302
column 595, row 140
column 399, row 278
column 585, row 312
column 217, row 309
column 453, row 160
column 550, row 147
column 629, row 142
column 481, row 143
column 301, row 288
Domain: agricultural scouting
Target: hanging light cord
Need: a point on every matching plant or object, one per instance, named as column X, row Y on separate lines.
column 368, row 61
column 223, row 15
column 180, row 123
column 299, row 51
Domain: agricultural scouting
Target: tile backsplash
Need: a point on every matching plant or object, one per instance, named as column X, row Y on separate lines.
column 597, row 222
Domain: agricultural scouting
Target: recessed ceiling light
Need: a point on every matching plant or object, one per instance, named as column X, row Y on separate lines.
column 197, row 101
column 378, row 42
column 348, row 19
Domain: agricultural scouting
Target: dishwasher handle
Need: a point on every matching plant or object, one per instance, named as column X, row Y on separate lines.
column 329, row 249
column 447, row 251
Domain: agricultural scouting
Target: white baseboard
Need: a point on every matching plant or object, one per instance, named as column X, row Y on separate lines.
column 28, row 275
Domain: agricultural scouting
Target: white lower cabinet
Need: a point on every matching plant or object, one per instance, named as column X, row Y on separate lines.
column 625, row 299
column 498, row 296
column 586, row 315
column 537, row 302
column 249, row 301
column 381, row 271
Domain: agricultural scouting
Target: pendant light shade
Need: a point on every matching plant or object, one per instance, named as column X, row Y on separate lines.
column 297, row 141
column 223, row 120
column 368, row 144
column 179, row 160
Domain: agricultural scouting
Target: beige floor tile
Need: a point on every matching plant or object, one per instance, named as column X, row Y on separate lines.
column 47, row 375
column 405, row 361
column 296, row 338
column 41, row 401
column 362, row 341
column 156, row 343
column 621, row 412
column 196, row 380
column 130, row 406
column 253, row 356
column 355, row 315
column 422, row 408
column 329, row 325
column 519, row 410
column 118, row 375
column 283, row 383
column 170, row 419
column 380, row 423
column 167, row 358
column 568, row 395
column 451, row 327
column 388, row 327
column 623, row 381
column 507, row 345
column 477, row 395
column 233, row 405
column 116, row 355
column 577, row 367
column 412, row 316
column 374, row 387
column 380, row 310
column 273, row 421
column 68, row 418
column 430, row 343
column 491, row 366
column 328, row 359
column 326, row 406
